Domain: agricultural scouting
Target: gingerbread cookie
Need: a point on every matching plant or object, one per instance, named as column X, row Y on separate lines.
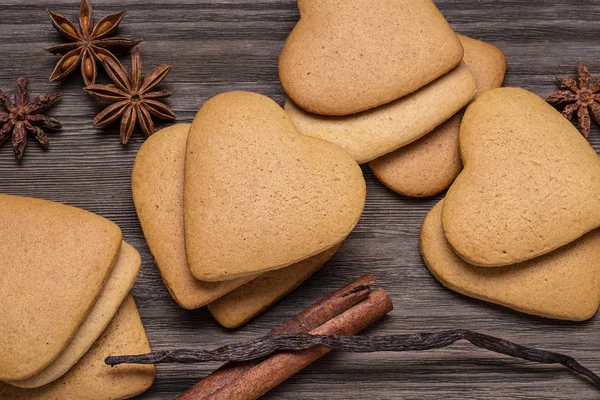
column 429, row 165
column 531, row 182
column 259, row 196
column 345, row 57
column 157, row 187
column 91, row 378
column 374, row 133
column 158, row 194
column 40, row 239
column 564, row 284
column 116, row 288
column 246, row 302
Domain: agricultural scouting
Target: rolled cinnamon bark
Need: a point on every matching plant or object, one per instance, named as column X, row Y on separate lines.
column 251, row 380
column 311, row 318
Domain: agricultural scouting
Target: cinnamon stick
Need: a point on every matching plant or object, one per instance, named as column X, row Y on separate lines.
column 342, row 313
column 309, row 319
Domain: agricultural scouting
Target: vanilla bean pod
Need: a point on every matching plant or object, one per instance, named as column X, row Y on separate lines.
column 358, row 344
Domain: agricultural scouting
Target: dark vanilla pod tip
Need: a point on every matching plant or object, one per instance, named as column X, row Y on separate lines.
column 268, row 345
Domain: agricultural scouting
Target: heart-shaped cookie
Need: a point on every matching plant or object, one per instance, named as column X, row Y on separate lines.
column 564, row 284
column 374, row 133
column 429, row 165
column 54, row 260
column 258, row 195
column 344, row 57
column 91, row 378
column 157, row 186
column 530, row 184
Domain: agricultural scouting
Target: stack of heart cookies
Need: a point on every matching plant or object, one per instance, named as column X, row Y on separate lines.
column 519, row 226
column 386, row 81
column 65, row 280
column 238, row 208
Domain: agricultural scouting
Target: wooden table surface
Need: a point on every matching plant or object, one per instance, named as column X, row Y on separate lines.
column 222, row 45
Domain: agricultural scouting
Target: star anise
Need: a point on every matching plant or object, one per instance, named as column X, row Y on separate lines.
column 88, row 43
column 25, row 116
column 134, row 101
column 581, row 97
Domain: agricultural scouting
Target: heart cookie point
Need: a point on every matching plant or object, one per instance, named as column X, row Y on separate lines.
column 530, row 185
column 564, row 284
column 259, row 196
column 344, row 57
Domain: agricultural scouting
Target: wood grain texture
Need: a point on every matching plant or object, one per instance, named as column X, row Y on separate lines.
column 222, row 45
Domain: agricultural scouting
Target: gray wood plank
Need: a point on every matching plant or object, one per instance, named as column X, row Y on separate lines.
column 220, row 45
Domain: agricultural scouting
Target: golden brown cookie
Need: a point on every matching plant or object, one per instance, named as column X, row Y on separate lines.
column 259, row 196
column 564, row 284
column 42, row 239
column 376, row 132
column 429, row 165
column 91, row 378
column 345, row 57
column 157, row 187
column 157, row 181
column 246, row 302
column 115, row 290
column 531, row 182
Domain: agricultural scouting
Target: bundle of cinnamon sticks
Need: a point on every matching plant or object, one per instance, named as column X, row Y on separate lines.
column 345, row 312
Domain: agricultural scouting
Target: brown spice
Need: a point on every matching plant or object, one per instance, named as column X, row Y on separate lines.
column 279, row 367
column 25, row 115
column 311, row 318
column 252, row 380
column 87, row 43
column 579, row 97
column 134, row 100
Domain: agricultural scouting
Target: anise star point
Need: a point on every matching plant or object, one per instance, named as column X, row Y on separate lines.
column 24, row 116
column 87, row 44
column 579, row 97
column 132, row 96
